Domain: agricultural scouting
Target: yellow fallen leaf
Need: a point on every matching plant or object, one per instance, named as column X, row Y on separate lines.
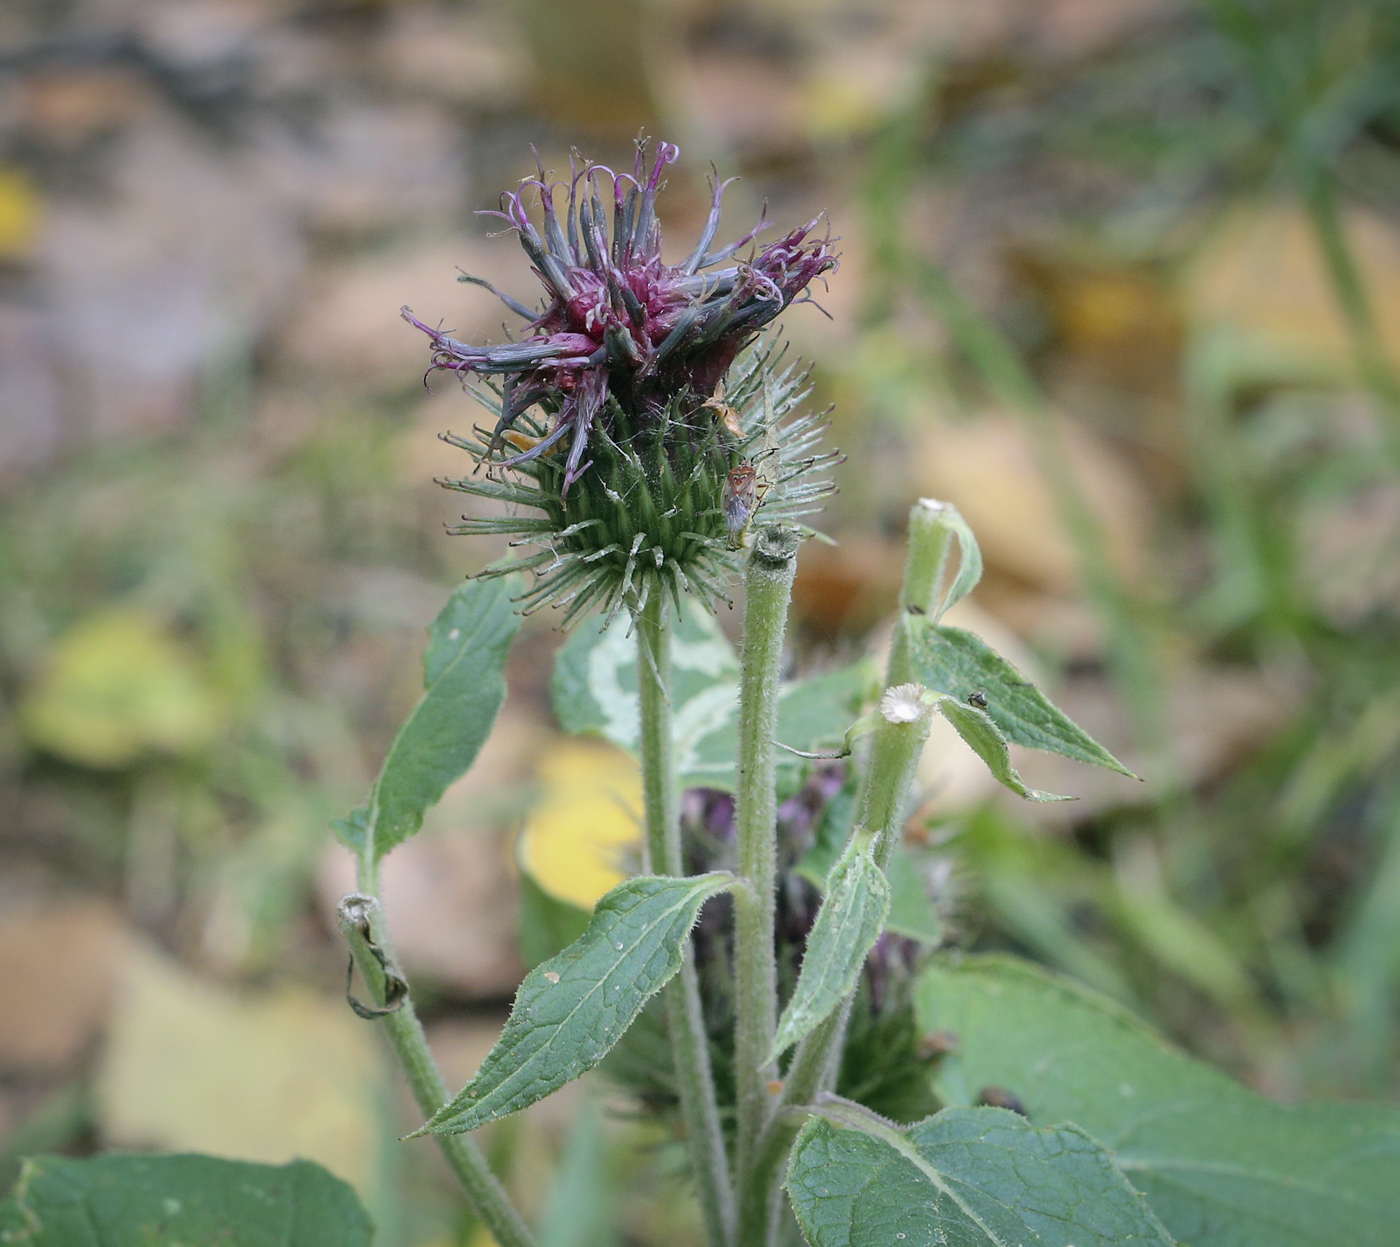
column 191, row 1066
column 118, row 686
column 852, row 89
column 1263, row 275
column 21, row 213
column 586, row 827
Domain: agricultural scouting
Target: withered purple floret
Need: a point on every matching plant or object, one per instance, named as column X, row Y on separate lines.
column 617, row 322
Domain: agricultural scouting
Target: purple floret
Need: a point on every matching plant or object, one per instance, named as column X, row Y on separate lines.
column 617, row 322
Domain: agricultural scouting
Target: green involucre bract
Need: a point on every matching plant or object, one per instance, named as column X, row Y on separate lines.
column 655, row 512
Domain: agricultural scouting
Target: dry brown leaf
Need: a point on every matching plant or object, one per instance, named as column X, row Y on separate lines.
column 846, row 589
column 989, row 468
column 56, row 979
column 350, row 327
column 1264, row 276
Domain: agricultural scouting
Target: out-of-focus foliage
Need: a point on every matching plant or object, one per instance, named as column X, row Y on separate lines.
column 1259, row 895
column 1120, row 280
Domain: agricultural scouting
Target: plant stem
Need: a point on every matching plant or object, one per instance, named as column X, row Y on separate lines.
column 893, row 762
column 771, row 568
column 362, row 922
column 1373, row 364
column 925, row 559
column 684, row 1014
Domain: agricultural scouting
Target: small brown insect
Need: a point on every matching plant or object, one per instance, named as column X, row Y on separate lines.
column 937, row 1044
column 741, row 497
column 1000, row 1097
column 728, row 416
column 978, row 699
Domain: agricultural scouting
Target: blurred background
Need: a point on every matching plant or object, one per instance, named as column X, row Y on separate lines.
column 1121, row 278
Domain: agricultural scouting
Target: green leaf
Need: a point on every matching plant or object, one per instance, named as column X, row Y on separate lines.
column 961, row 664
column 573, row 1008
column 595, row 686
column 971, row 1177
column 912, row 914
column 464, row 675
column 832, row 832
column 815, row 713
column 1220, row 1165
column 595, row 692
column 140, row 1201
column 850, row 920
column 353, row 828
column 978, row 729
column 583, row 1203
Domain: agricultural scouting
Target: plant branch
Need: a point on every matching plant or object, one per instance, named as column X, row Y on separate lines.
column 1373, row 363
column 362, row 923
column 684, row 1014
column 926, row 557
column 771, row 568
column 893, row 762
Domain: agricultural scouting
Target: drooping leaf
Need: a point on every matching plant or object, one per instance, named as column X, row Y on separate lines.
column 976, row 727
column 138, row 1201
column 1220, row 1165
column 961, row 664
column 464, row 678
column 969, row 570
column 595, row 691
column 912, row 913
column 979, row 1177
column 573, row 1008
column 850, row 920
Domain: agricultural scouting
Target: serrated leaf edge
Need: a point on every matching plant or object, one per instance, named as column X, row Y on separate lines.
column 791, row 1028
column 463, row 1118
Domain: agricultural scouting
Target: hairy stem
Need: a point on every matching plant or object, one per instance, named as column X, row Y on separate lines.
column 362, row 922
column 893, row 762
column 925, row 559
column 684, row 1015
column 771, row 568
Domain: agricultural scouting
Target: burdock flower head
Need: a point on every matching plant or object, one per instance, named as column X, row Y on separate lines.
column 639, row 416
